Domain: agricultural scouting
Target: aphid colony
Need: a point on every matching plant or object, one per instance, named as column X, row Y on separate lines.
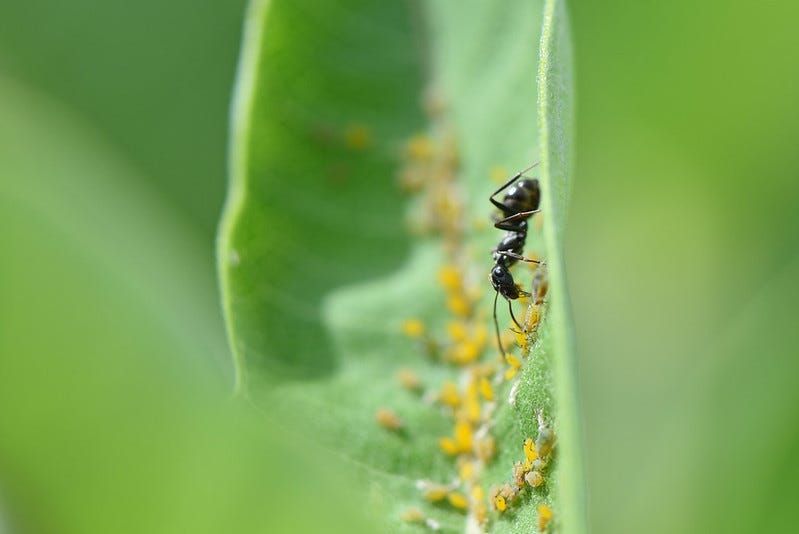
column 528, row 472
column 430, row 168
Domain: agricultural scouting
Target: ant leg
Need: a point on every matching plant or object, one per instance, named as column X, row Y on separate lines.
column 516, row 256
column 500, row 205
column 496, row 325
column 502, row 224
column 510, row 309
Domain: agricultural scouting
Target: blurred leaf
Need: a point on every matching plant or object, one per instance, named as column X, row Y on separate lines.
column 318, row 271
column 153, row 77
column 109, row 416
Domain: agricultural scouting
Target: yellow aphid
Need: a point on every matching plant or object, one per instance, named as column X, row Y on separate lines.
column 459, row 305
column 464, row 353
column 412, row 515
column 449, row 395
column 449, row 446
column 434, row 492
column 419, row 147
column 500, row 504
column 533, row 256
column 546, row 437
column 466, row 470
column 545, row 515
column 521, row 339
column 408, row 379
column 534, row 478
column 513, row 361
column 478, row 493
column 535, row 316
column 540, row 284
column 480, row 337
column 357, row 136
column 528, row 465
column 413, row 328
column 450, row 277
column 458, row 500
column 529, row 449
column 544, row 442
column 486, row 448
column 498, row 173
column 510, row 373
column 463, row 435
column 486, row 390
column 472, row 410
column 388, row 419
column 471, row 389
column 457, row 331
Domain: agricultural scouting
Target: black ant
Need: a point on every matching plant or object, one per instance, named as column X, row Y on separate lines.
column 520, row 202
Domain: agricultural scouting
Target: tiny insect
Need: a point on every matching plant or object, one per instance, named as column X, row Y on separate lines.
column 519, row 204
column 546, row 437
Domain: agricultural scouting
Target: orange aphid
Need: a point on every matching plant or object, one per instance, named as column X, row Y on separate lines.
column 408, row 379
column 534, row 478
column 459, row 305
column 486, row 448
column 357, row 136
column 388, row 419
column 545, row 515
column 466, row 470
column 486, row 390
column 413, row 328
column 457, row 331
column 412, row 515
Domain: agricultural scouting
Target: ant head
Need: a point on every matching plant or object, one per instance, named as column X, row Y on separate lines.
column 502, row 281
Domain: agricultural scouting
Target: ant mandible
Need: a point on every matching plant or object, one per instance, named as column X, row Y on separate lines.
column 519, row 203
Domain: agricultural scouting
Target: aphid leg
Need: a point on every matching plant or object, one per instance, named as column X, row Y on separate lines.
column 517, row 257
column 496, row 325
column 502, row 224
column 513, row 178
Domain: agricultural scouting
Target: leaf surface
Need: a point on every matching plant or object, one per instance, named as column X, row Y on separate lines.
column 318, row 260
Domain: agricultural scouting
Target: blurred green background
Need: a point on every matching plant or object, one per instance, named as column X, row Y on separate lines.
column 682, row 257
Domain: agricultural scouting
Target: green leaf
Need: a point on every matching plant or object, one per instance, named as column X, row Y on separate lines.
column 111, row 417
column 318, row 264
